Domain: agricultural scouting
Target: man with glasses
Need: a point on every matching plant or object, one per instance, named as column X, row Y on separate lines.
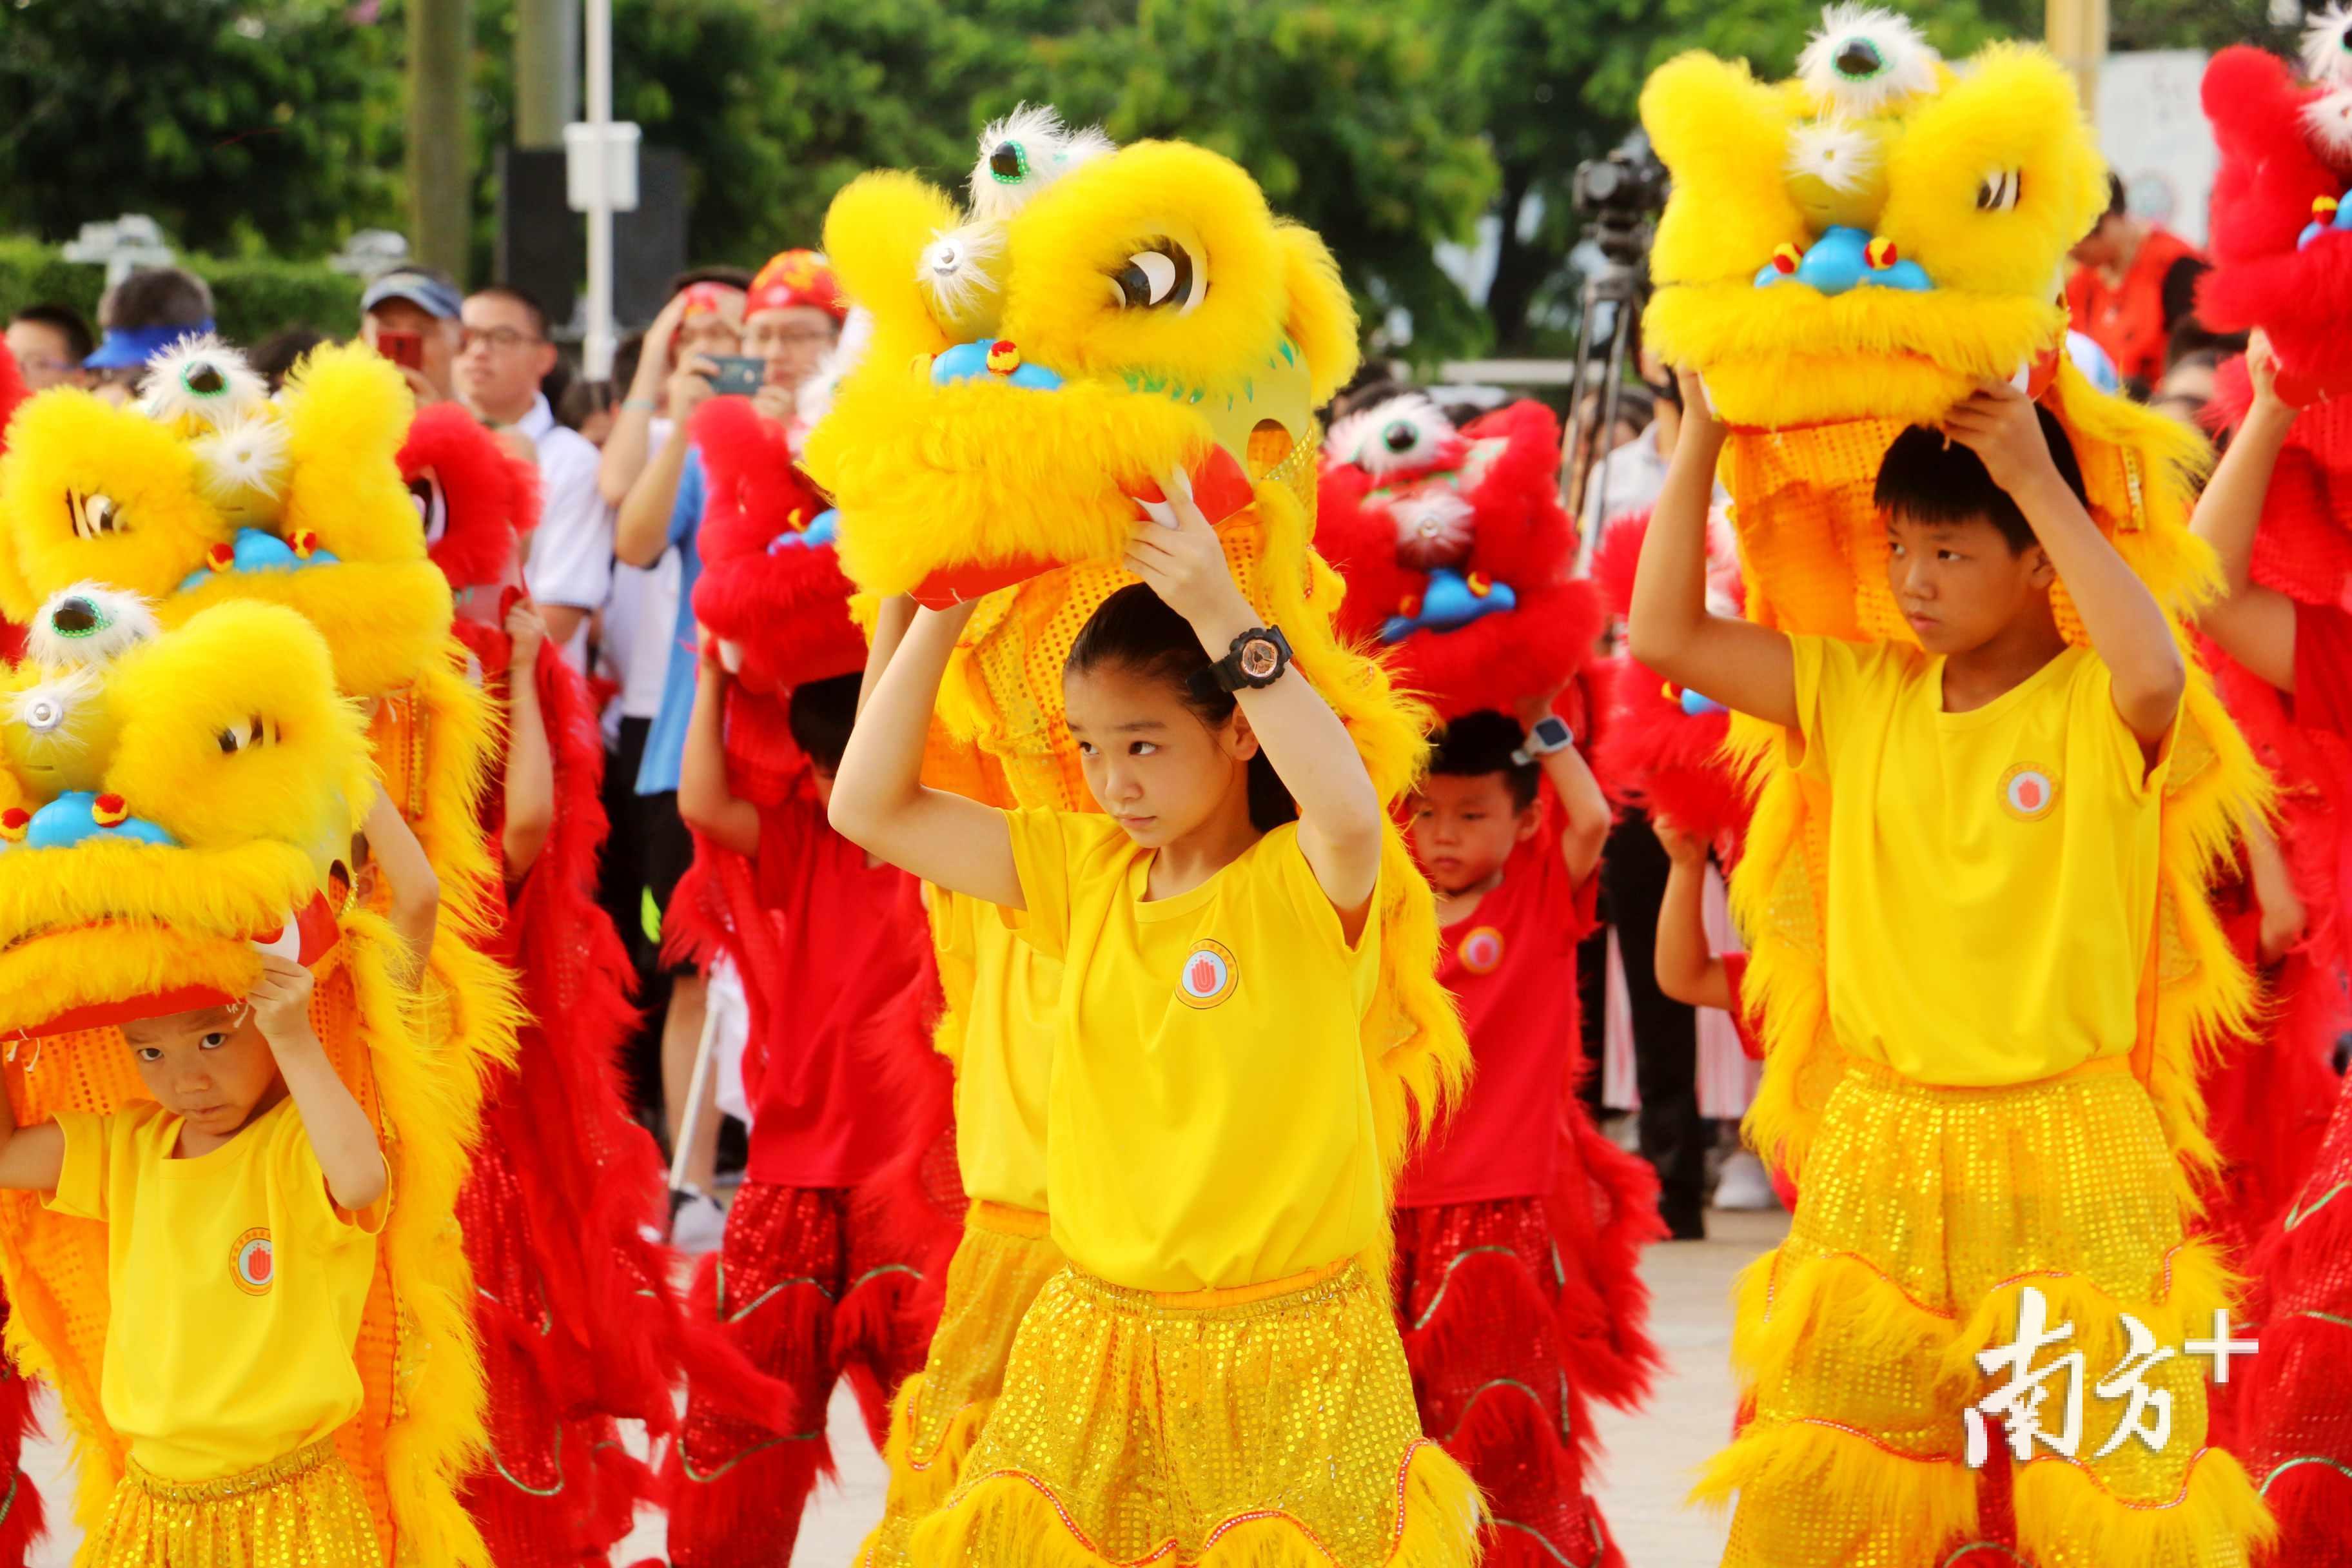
column 503, row 354
column 51, row 341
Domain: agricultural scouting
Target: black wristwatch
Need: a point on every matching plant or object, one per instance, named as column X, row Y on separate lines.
column 1549, row 735
column 1259, row 656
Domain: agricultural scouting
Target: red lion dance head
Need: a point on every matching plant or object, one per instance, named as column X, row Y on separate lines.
column 1457, row 550
column 476, row 500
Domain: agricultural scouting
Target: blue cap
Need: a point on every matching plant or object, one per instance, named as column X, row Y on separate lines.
column 436, row 296
column 123, row 347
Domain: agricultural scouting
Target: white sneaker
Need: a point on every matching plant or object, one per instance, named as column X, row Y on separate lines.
column 699, row 1225
column 1743, row 1184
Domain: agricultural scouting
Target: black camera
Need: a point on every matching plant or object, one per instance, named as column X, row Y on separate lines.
column 1618, row 194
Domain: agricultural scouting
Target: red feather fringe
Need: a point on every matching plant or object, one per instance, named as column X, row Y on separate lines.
column 22, row 1514
column 786, row 611
column 491, row 496
column 1604, row 1211
column 12, row 391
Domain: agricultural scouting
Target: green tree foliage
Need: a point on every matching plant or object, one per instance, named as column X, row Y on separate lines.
column 240, row 125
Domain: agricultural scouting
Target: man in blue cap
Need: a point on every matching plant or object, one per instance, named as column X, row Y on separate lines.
column 144, row 314
column 414, row 307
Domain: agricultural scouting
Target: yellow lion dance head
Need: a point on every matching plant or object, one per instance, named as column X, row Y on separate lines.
column 211, row 490
column 176, row 801
column 1848, row 254
column 1098, row 321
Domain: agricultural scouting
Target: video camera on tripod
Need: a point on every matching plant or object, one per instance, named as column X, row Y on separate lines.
column 1619, row 195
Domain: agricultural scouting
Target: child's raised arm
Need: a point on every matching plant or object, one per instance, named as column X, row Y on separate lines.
column 31, row 1158
column 530, row 763
column 2254, row 625
column 1737, row 663
column 1583, row 806
column 878, row 799
column 416, row 887
column 1687, row 967
column 1339, row 815
column 2127, row 628
column 704, row 799
column 340, row 1133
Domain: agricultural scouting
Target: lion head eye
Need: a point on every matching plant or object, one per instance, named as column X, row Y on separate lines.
column 1162, row 273
column 93, row 514
column 254, row 731
column 2000, row 190
column 432, row 506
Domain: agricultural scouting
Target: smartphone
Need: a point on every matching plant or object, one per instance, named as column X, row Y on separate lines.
column 740, row 375
column 402, row 348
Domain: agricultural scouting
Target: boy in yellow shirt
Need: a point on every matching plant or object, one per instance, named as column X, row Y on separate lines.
column 1990, row 903
column 243, row 1205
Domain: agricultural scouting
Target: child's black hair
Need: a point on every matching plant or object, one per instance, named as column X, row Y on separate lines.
column 820, row 715
column 1927, row 477
column 1480, row 743
column 1136, row 630
column 157, row 297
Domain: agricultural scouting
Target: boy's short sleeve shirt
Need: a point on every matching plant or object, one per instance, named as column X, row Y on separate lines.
column 235, row 1288
column 1991, row 875
column 1510, row 965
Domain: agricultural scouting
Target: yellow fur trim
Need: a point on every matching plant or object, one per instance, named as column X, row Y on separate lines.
column 916, row 1488
column 874, row 232
column 383, row 621
column 67, row 441
column 2065, row 1515
column 346, row 412
column 1012, row 1518
column 1937, row 1501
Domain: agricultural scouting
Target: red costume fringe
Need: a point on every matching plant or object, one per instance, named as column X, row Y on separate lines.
column 22, row 1515
column 580, row 1321
column 13, row 391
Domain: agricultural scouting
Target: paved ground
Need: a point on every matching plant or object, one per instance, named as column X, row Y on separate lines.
column 1647, row 1465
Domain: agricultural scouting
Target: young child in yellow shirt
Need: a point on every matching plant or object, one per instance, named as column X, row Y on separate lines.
column 1216, row 1369
column 1991, row 892
column 242, row 1205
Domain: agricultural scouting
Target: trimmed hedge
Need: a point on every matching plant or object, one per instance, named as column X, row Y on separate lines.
column 251, row 299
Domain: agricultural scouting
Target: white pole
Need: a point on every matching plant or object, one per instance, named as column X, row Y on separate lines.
column 597, row 352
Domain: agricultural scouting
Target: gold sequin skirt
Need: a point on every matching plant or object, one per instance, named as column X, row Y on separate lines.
column 1004, row 1258
column 1927, row 1211
column 1272, row 1428
column 304, row 1511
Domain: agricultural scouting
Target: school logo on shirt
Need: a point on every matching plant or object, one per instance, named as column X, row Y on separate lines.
column 2027, row 791
column 1481, row 951
column 1209, row 976
column 252, row 1263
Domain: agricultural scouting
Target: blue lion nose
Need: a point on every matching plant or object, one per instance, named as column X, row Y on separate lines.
column 1842, row 260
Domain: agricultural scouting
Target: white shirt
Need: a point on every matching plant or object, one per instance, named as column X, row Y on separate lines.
column 639, row 617
column 1632, row 475
column 571, row 560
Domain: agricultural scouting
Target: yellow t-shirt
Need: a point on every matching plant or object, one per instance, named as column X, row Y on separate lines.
column 1992, row 874
column 234, row 1287
column 1003, row 993
column 1211, row 1116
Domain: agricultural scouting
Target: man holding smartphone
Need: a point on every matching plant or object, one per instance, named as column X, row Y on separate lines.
column 411, row 316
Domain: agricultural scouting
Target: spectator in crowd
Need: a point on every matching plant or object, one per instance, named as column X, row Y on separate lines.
column 411, row 316
column 280, row 353
column 2134, row 283
column 792, row 319
column 702, row 321
column 2188, row 388
column 50, row 343
column 145, row 313
column 503, row 356
column 1626, row 482
column 588, row 407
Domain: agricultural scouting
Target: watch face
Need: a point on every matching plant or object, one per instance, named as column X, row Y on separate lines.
column 1259, row 659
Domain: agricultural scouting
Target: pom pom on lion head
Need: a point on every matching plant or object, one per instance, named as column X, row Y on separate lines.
column 172, row 797
column 1872, row 238
column 1456, row 550
column 1156, row 316
column 297, row 500
column 2282, row 253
